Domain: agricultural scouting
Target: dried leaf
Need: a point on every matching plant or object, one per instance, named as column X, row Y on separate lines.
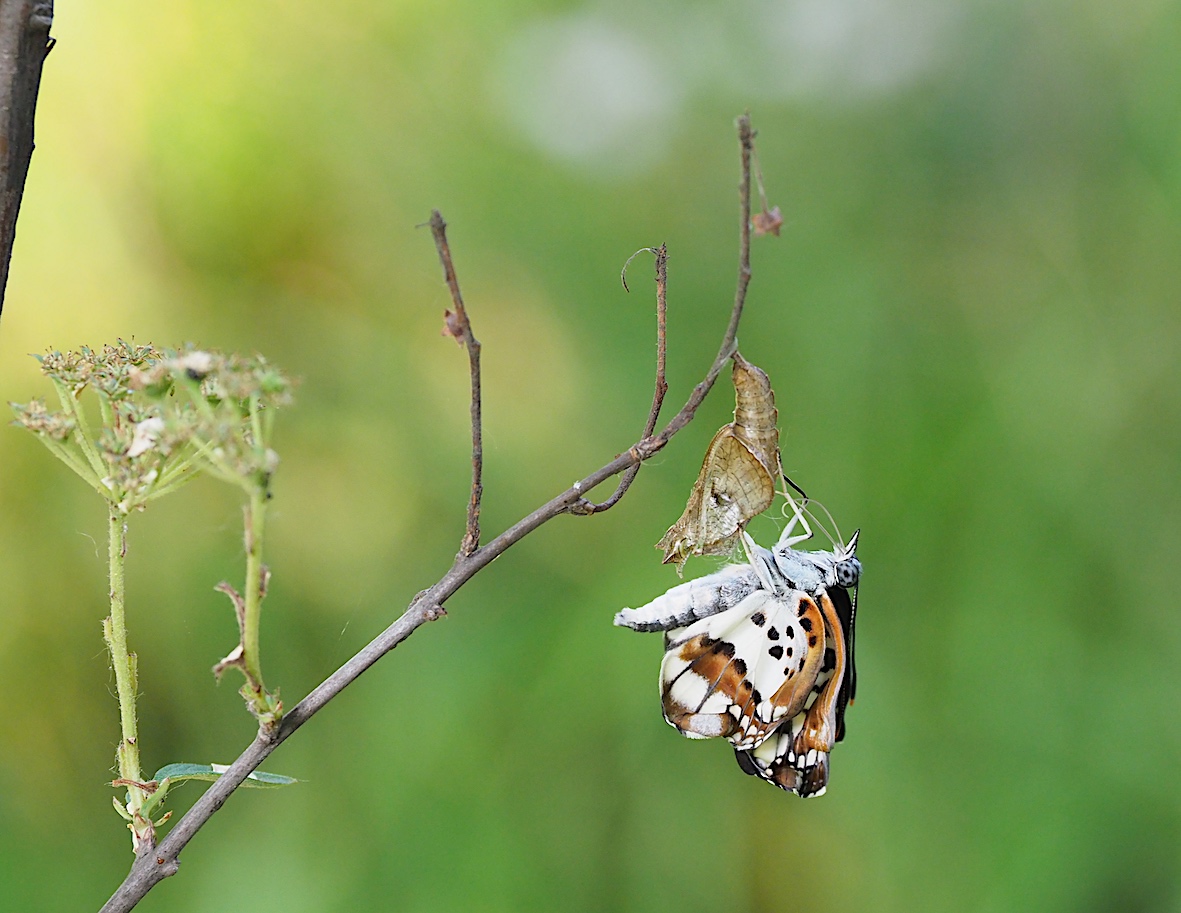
column 738, row 477
column 452, row 326
column 767, row 222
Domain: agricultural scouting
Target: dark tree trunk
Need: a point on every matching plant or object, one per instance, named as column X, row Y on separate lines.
column 24, row 45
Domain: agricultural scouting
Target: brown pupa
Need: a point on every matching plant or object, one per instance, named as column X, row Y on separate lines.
column 738, row 477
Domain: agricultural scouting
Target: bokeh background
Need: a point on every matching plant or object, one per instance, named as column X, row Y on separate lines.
column 972, row 321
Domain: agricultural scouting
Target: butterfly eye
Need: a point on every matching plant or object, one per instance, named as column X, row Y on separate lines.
column 848, row 572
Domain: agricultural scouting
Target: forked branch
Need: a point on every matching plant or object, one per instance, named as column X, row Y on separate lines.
column 153, row 864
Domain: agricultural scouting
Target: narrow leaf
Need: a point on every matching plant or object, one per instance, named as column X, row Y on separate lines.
column 178, row 773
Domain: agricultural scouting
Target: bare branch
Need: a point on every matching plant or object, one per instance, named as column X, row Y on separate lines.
column 24, row 45
column 153, row 864
column 585, row 506
column 457, row 325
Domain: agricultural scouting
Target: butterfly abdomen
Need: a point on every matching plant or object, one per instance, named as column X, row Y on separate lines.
column 692, row 601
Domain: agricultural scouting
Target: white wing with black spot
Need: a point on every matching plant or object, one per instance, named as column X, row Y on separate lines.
column 738, row 674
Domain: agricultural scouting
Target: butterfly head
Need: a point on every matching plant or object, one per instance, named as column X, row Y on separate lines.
column 847, row 568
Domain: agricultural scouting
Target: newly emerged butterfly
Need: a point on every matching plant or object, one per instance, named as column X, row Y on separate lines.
column 761, row 654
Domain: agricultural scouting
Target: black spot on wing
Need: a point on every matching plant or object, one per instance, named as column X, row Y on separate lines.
column 776, row 651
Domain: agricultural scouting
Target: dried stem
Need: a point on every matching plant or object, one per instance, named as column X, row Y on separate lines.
column 585, row 506
column 152, row 867
column 460, row 327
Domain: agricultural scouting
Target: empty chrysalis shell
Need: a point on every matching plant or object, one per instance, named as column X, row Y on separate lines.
column 739, row 476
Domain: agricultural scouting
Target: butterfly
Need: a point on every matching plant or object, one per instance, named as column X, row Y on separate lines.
column 761, row 654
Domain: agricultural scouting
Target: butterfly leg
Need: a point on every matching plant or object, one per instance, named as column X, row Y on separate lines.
column 760, row 560
column 786, row 539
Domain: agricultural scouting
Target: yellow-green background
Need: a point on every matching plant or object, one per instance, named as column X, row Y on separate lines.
column 972, row 323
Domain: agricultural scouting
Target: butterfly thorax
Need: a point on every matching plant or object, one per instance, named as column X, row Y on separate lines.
column 814, row 571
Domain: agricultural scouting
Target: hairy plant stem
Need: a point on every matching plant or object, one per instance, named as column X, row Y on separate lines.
column 255, row 521
column 115, row 634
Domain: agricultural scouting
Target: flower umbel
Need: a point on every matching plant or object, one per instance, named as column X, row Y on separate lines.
column 157, row 419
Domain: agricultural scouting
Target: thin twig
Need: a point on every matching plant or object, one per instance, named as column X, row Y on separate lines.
column 763, row 203
column 458, row 325
column 153, row 865
column 24, row 45
column 586, row 506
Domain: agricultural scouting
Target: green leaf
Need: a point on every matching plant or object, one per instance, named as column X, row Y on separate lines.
column 178, row 773
column 120, row 809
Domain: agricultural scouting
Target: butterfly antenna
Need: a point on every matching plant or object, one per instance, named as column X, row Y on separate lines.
column 794, row 486
column 834, row 538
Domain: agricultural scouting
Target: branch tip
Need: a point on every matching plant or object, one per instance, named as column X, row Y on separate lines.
column 457, row 325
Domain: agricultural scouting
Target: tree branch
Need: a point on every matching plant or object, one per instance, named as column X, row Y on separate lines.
column 457, row 324
column 153, row 865
column 585, row 506
column 24, row 45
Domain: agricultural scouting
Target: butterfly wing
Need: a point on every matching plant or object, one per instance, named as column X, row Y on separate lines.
column 740, row 673
column 776, row 761
column 796, row 757
column 846, row 611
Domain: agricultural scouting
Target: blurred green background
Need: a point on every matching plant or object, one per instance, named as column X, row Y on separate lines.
column 972, row 321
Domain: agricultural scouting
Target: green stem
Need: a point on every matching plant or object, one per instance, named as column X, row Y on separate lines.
column 255, row 522
column 82, row 435
column 173, row 482
column 171, row 471
column 63, row 453
column 256, row 425
column 214, row 466
column 115, row 629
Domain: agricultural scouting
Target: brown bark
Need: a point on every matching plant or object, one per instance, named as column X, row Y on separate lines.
column 24, row 45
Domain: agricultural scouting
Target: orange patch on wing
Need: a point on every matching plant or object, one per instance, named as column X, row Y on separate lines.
column 713, row 661
column 794, row 692
column 820, row 728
